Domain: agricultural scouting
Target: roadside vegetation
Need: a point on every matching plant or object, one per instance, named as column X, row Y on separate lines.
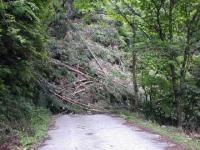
column 39, row 125
column 171, row 133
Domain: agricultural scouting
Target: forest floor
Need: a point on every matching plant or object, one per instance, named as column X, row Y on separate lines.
column 101, row 132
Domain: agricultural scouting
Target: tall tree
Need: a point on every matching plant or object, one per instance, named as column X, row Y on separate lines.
column 171, row 26
column 127, row 16
column 173, row 22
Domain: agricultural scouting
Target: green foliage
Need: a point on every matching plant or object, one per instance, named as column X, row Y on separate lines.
column 39, row 121
column 22, row 36
column 165, row 36
column 107, row 36
column 88, row 5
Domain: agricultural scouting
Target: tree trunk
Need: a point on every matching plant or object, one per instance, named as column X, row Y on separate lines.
column 135, row 84
column 177, row 96
column 176, row 88
column 135, row 100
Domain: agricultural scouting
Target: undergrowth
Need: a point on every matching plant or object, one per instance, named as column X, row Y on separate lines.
column 39, row 126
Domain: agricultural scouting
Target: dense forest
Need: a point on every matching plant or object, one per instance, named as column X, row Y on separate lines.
column 98, row 56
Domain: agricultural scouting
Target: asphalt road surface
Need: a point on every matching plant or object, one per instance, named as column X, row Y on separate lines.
column 100, row 132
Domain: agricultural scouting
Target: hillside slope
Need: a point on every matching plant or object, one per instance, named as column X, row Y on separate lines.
column 88, row 66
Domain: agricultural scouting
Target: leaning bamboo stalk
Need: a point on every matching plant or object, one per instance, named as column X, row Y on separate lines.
column 93, row 55
column 70, row 68
column 77, row 92
column 89, row 49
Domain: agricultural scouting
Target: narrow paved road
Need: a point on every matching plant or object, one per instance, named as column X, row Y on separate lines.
column 99, row 132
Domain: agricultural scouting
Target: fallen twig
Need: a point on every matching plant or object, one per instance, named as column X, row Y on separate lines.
column 79, row 81
column 77, row 92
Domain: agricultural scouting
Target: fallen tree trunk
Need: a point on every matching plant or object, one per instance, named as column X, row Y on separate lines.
column 81, row 73
column 84, row 106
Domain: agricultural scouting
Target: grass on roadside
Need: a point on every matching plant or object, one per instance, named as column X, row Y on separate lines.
column 170, row 133
column 39, row 126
